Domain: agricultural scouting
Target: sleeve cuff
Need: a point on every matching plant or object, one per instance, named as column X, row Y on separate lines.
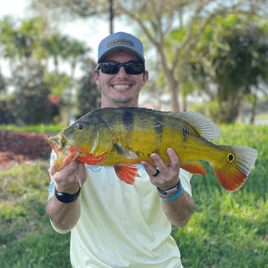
column 185, row 178
column 59, row 230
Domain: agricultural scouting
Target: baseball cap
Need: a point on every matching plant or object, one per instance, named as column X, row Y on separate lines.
column 120, row 40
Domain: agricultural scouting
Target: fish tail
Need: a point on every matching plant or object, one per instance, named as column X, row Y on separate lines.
column 235, row 168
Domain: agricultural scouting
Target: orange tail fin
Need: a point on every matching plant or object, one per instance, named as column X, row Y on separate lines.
column 239, row 162
column 231, row 179
column 126, row 173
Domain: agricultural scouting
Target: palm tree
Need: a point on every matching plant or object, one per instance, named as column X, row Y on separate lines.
column 74, row 50
column 7, row 34
column 55, row 45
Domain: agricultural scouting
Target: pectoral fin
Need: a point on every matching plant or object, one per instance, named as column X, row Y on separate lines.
column 125, row 152
column 195, row 168
column 126, row 173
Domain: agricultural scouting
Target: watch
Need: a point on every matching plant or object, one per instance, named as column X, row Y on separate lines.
column 67, row 198
column 170, row 190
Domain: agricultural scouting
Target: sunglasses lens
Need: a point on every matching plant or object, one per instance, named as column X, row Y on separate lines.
column 131, row 67
column 110, row 67
column 134, row 68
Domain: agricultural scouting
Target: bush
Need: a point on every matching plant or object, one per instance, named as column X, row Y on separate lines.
column 32, row 104
column 6, row 116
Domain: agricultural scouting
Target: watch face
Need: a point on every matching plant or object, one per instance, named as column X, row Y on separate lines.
column 173, row 189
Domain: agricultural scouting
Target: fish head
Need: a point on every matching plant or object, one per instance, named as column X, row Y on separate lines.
column 71, row 142
column 83, row 141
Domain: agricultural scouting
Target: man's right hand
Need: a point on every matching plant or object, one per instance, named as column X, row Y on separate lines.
column 66, row 179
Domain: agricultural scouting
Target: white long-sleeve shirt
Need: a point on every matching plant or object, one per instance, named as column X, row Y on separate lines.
column 122, row 225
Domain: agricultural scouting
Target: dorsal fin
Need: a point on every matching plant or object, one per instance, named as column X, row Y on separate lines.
column 204, row 126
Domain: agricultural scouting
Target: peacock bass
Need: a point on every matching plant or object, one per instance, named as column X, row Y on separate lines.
column 123, row 137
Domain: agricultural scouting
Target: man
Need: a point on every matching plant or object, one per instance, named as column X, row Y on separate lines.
column 114, row 224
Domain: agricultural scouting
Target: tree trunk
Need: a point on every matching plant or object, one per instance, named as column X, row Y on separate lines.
column 56, row 63
column 253, row 110
column 184, row 97
column 174, row 94
column 73, row 66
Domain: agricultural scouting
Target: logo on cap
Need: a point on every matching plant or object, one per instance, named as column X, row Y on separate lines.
column 120, row 42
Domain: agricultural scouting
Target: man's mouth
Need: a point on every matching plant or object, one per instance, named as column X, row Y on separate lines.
column 121, row 87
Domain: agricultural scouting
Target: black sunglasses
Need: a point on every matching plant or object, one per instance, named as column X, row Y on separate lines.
column 113, row 67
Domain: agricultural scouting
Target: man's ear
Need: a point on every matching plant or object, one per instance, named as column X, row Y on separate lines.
column 145, row 77
column 96, row 77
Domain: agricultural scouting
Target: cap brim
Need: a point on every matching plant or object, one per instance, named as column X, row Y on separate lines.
column 121, row 48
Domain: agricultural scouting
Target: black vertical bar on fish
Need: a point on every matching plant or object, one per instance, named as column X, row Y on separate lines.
column 128, row 119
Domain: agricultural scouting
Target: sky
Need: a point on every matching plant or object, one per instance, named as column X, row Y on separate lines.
column 91, row 31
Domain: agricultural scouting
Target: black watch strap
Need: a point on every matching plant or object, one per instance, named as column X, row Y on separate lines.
column 170, row 190
column 67, row 198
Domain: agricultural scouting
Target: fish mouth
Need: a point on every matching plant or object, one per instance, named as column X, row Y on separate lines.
column 56, row 142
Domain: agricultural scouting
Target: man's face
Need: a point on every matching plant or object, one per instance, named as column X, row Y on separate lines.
column 121, row 89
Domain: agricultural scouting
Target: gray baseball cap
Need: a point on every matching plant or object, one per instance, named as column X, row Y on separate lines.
column 119, row 41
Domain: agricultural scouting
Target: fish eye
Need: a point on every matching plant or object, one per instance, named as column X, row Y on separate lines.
column 80, row 126
column 230, row 157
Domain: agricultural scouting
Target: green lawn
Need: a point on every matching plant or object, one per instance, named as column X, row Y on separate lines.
column 35, row 128
column 228, row 229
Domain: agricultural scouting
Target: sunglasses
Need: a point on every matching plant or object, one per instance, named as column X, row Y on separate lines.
column 113, row 67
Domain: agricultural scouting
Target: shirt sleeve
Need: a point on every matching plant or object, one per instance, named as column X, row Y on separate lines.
column 185, row 178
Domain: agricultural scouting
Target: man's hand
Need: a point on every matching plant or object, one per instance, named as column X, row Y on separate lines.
column 168, row 176
column 67, row 179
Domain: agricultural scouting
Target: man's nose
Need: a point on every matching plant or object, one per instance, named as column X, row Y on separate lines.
column 122, row 72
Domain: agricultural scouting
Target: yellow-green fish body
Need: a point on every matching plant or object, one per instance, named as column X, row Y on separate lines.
column 122, row 137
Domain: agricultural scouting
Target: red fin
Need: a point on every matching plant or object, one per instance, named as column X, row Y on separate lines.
column 126, row 173
column 231, row 179
column 195, row 168
column 91, row 159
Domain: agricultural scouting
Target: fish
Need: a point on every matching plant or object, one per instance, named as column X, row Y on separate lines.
column 123, row 137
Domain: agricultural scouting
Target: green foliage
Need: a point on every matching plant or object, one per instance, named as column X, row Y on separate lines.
column 23, row 40
column 58, row 83
column 6, row 116
column 233, row 56
column 89, row 95
column 31, row 104
column 28, row 44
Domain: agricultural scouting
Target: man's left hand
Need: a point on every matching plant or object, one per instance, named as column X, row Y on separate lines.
column 168, row 175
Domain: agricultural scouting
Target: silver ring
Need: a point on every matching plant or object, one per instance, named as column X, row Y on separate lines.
column 156, row 173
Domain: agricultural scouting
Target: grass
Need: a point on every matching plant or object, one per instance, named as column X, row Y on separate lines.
column 34, row 128
column 227, row 229
column 26, row 237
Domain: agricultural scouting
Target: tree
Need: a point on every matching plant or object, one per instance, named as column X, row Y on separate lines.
column 55, row 45
column 89, row 95
column 157, row 19
column 75, row 51
column 7, row 34
column 58, row 83
column 21, row 41
column 234, row 58
column 31, row 104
